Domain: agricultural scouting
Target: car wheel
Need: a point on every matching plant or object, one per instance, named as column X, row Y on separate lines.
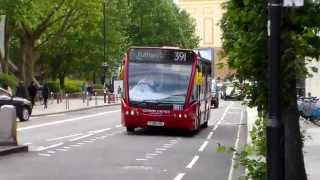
column 130, row 129
column 24, row 114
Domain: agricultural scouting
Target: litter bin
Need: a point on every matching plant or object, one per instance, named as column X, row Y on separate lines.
column 8, row 126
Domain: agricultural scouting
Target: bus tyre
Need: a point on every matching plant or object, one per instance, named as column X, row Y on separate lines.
column 205, row 125
column 130, row 129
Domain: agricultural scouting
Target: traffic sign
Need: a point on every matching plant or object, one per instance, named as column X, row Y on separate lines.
column 293, row 3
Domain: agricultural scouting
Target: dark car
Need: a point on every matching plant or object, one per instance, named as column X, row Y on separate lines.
column 23, row 106
column 215, row 91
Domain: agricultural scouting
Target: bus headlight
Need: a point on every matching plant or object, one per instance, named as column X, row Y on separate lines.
column 132, row 112
column 185, row 116
column 180, row 115
column 127, row 112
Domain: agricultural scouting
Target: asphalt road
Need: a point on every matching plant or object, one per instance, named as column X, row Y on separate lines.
column 93, row 145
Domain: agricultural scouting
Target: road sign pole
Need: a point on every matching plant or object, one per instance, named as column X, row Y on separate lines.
column 275, row 150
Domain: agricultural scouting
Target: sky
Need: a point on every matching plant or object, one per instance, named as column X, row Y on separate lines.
column 176, row 1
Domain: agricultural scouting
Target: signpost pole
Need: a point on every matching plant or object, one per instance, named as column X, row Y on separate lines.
column 275, row 150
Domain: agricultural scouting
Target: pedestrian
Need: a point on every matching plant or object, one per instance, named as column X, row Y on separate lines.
column 32, row 89
column 45, row 95
column 119, row 90
column 21, row 90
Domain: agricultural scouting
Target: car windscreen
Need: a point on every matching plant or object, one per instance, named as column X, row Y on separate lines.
column 164, row 83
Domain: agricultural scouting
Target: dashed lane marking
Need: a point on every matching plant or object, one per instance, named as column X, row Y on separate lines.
column 141, row 159
column 179, row 176
column 210, row 135
column 42, row 154
column 64, row 150
column 203, row 146
column 64, row 137
column 49, row 147
column 193, row 161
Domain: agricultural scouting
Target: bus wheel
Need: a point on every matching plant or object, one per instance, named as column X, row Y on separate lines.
column 130, row 129
column 205, row 125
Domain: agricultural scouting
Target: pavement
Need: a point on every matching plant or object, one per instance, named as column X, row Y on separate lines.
column 92, row 144
column 311, row 149
column 75, row 104
column 311, row 146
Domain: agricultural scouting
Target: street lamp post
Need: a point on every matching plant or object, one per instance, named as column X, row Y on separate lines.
column 275, row 132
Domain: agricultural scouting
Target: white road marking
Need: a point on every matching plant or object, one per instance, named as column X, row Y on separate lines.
column 51, row 152
column 235, row 147
column 100, row 131
column 149, row 157
column 118, row 126
column 55, row 115
column 66, row 147
column 203, row 146
column 64, row 150
column 179, row 176
column 141, row 159
column 26, row 144
column 161, row 149
column 151, row 154
column 64, row 137
column 194, row 160
column 88, row 141
column 80, row 143
column 93, row 139
column 158, row 152
column 223, row 116
column 75, row 145
column 65, row 121
column 42, row 154
column 81, row 137
column 49, row 147
column 210, row 135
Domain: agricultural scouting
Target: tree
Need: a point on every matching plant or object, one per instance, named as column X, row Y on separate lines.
column 160, row 23
column 40, row 23
column 245, row 46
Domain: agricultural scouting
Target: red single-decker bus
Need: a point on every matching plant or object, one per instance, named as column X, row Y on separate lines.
column 165, row 87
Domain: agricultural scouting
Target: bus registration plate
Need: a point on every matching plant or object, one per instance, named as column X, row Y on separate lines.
column 155, row 123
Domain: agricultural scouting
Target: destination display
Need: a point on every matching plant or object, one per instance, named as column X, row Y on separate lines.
column 150, row 55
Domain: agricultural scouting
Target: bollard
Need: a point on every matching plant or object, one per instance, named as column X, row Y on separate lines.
column 96, row 98
column 8, row 126
column 52, row 97
column 67, row 101
column 104, row 96
column 108, row 98
column 87, row 98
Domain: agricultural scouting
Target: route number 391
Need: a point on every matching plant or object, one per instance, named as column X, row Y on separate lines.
column 180, row 57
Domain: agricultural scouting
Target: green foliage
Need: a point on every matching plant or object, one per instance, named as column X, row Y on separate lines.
column 10, row 80
column 72, row 86
column 98, row 86
column 160, row 23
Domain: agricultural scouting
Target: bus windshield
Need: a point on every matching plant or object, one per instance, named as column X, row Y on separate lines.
column 158, row 82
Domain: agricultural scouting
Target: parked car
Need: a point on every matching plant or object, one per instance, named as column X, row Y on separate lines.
column 215, row 91
column 230, row 91
column 23, row 106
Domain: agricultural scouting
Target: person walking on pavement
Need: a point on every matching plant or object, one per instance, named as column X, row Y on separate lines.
column 21, row 91
column 45, row 95
column 32, row 92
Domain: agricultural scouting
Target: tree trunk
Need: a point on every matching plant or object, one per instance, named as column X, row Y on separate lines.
column 61, row 80
column 294, row 162
column 29, row 58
